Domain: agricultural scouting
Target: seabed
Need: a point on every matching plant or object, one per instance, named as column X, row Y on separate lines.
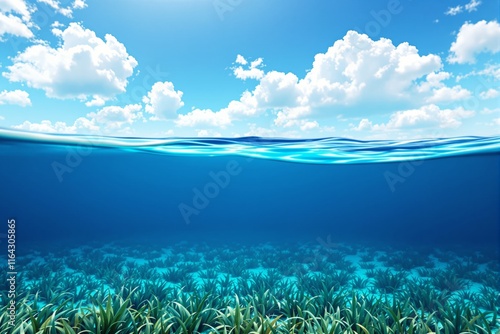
column 249, row 288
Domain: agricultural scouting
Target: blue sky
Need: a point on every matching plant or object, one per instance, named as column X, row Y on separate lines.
column 396, row 69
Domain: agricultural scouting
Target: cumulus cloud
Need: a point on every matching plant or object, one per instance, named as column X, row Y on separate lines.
column 255, row 130
column 489, row 94
column 288, row 117
column 163, row 101
column 309, row 125
column 448, row 94
column 426, row 116
column 79, row 4
column 114, row 117
column 354, row 70
column 207, row 117
column 208, row 133
column 17, row 97
column 15, row 18
column 475, row 38
column 81, row 125
column 110, row 118
column 358, row 67
column 252, row 72
column 429, row 115
column 84, row 66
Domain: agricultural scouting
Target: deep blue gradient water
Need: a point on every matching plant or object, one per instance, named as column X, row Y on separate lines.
column 408, row 229
column 78, row 188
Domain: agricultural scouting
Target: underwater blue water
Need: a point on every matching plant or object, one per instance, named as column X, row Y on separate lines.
column 78, row 189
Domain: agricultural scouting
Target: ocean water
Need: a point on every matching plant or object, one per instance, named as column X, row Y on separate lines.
column 267, row 225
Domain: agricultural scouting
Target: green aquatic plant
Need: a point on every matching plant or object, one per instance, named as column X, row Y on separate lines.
column 209, row 274
column 422, row 295
column 459, row 317
column 491, row 279
column 294, row 304
column 358, row 315
column 328, row 299
column 47, row 287
column 359, row 283
column 144, row 271
column 234, row 268
column 188, row 267
column 339, row 279
column 387, row 281
column 291, row 269
column 174, row 275
column 188, row 283
column 448, row 281
column 406, row 260
column 265, row 303
column 426, row 272
column 193, row 314
column 344, row 265
column 237, row 319
column 157, row 288
column 488, row 299
column 115, row 315
column 367, row 265
column 462, row 269
column 225, row 285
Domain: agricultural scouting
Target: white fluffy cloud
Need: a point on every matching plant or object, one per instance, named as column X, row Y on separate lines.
column 66, row 11
column 18, row 97
column 81, row 125
column 252, row 72
column 429, row 115
column 354, row 70
column 448, row 94
column 358, row 67
column 110, row 118
column 15, row 18
column 114, row 117
column 205, row 117
column 163, row 101
column 208, row 133
column 84, row 66
column 426, row 116
column 454, row 10
column 475, row 38
column 489, row 94
column 470, row 7
column 79, row 4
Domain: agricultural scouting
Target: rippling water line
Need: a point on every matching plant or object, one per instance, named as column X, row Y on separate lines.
column 319, row 151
